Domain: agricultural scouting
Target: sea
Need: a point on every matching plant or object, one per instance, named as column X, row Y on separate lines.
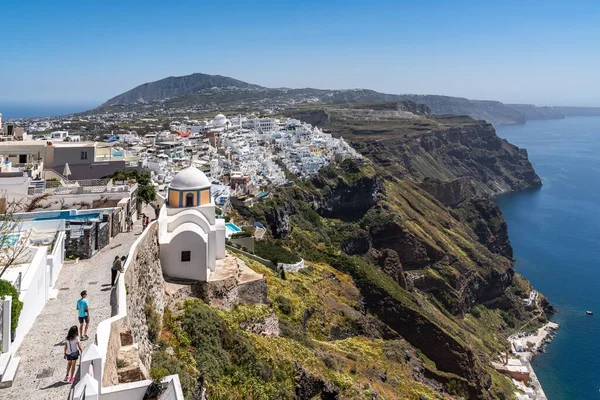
column 555, row 233
column 33, row 110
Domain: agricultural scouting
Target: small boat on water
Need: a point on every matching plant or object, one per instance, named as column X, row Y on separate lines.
column 589, row 312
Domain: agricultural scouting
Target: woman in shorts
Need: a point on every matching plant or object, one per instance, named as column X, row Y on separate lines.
column 72, row 351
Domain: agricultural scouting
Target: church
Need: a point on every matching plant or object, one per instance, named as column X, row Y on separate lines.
column 191, row 238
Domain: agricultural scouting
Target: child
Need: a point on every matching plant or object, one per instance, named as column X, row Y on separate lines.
column 84, row 315
column 72, row 351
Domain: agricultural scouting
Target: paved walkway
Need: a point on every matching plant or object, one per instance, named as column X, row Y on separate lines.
column 42, row 366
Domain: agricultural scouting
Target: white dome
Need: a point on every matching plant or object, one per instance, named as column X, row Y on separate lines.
column 190, row 178
column 220, row 119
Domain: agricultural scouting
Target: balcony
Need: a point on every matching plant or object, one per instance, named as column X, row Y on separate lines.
column 87, row 186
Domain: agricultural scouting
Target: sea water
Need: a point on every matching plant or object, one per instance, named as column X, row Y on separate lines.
column 36, row 110
column 555, row 233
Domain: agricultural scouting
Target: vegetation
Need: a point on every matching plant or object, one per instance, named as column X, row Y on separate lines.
column 153, row 321
column 146, row 191
column 7, row 289
column 242, row 234
column 345, row 319
column 275, row 254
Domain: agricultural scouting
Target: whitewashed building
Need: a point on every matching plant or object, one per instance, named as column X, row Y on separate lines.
column 191, row 238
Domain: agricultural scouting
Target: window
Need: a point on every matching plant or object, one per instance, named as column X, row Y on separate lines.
column 189, row 200
column 186, row 256
column 84, row 155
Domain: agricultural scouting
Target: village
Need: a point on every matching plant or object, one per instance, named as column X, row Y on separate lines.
column 113, row 218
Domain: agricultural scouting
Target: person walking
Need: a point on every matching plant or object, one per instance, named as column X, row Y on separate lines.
column 117, row 266
column 84, row 315
column 72, row 351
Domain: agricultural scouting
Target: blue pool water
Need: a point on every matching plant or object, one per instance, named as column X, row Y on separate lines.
column 555, row 232
column 12, row 239
column 66, row 215
column 232, row 227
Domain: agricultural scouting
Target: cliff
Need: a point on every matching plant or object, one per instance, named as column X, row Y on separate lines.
column 420, row 146
column 410, row 290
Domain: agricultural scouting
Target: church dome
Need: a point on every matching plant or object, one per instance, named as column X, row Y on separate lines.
column 219, row 120
column 190, row 178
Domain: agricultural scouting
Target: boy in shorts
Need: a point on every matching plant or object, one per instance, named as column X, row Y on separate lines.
column 84, row 315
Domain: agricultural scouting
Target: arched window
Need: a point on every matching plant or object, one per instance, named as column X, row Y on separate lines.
column 189, row 200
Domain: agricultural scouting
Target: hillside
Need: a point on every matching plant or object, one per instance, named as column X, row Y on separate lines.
column 173, row 87
column 201, row 92
column 419, row 145
column 410, row 290
column 390, row 268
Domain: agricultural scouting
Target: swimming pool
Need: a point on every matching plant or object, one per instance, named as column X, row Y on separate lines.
column 12, row 239
column 232, row 227
column 67, row 215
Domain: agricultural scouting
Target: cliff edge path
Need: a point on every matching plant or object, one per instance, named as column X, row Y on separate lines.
column 43, row 367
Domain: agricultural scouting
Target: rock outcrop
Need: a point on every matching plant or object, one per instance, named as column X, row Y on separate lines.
column 278, row 219
column 449, row 193
column 487, row 221
column 471, row 151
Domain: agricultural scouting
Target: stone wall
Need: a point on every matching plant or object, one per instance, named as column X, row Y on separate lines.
column 81, row 246
column 110, row 376
column 103, row 235
column 247, row 242
column 251, row 256
column 144, row 280
column 114, row 221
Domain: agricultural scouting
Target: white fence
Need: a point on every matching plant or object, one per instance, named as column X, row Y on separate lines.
column 94, row 356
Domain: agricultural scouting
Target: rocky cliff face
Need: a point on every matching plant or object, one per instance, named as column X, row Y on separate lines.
column 471, row 152
column 413, row 226
column 449, row 193
column 409, row 255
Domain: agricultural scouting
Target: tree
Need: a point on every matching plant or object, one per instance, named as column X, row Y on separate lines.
column 146, row 190
column 13, row 243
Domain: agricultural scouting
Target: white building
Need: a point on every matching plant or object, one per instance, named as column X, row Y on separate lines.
column 191, row 238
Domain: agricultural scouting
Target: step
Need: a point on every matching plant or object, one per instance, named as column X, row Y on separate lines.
column 4, row 360
column 10, row 373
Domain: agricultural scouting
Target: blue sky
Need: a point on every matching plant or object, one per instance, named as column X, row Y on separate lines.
column 541, row 52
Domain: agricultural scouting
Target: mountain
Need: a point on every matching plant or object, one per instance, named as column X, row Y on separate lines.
column 201, row 92
column 173, row 87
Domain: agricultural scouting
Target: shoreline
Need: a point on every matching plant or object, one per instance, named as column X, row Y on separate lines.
column 525, row 348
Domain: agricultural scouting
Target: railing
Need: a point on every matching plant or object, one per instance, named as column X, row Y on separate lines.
column 1, row 321
column 82, row 395
column 18, row 282
column 87, row 186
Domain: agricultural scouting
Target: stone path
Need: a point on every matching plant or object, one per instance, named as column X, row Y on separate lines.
column 42, row 366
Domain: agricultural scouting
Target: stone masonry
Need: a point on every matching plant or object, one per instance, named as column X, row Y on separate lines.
column 129, row 337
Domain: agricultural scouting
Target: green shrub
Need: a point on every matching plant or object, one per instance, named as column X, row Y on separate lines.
column 203, row 327
column 153, row 320
column 284, row 304
column 164, row 364
column 275, row 253
column 7, row 289
column 242, row 234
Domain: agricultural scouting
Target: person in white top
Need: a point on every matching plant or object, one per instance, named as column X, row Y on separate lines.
column 72, row 351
